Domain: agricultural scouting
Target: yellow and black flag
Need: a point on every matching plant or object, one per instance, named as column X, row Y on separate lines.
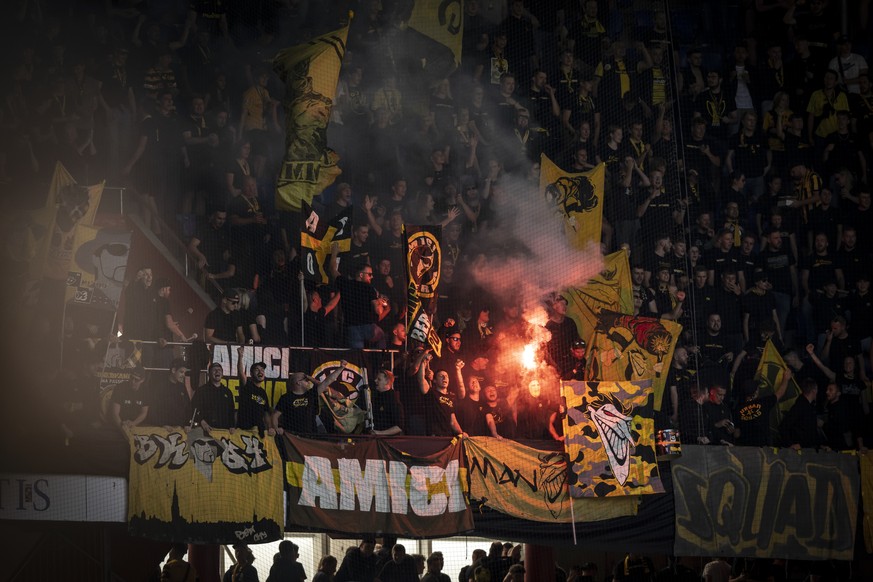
column 441, row 20
column 611, row 290
column 578, row 198
column 316, row 237
column 423, row 263
column 310, row 72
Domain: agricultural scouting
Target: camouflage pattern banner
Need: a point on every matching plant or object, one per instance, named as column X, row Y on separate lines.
column 628, row 348
column 765, row 503
column 611, row 290
column 609, row 437
column 577, row 198
column 531, row 484
column 424, row 258
column 310, row 72
column 384, row 486
column 218, row 489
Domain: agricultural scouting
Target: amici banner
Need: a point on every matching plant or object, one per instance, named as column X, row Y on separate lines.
column 765, row 503
column 403, row 486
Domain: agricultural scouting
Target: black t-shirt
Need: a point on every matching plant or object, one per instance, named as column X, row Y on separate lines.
column 387, row 410
column 224, row 324
column 169, row 404
column 213, row 243
column 750, row 154
column 777, row 265
column 822, row 268
column 439, row 408
column 503, row 420
column 356, row 300
column 214, row 404
column 130, row 400
column 298, row 412
column 253, row 404
column 753, row 420
column 759, row 307
column 718, row 261
column 622, row 203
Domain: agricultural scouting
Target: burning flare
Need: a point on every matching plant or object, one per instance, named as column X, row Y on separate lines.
column 529, row 357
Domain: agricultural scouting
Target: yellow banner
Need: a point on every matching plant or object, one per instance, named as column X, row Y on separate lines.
column 218, row 489
column 531, row 484
column 609, row 435
column 611, row 290
column 98, row 262
column 441, row 20
column 310, row 72
column 578, row 198
column 628, row 348
column 771, row 370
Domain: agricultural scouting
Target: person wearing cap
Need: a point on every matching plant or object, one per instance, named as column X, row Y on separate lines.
column 128, row 407
column 298, row 408
column 222, row 325
column 170, row 398
column 242, row 570
column 575, row 365
column 563, row 332
column 850, row 66
column 254, row 406
column 213, row 402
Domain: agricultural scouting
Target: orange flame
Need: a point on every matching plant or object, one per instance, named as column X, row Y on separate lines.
column 528, row 357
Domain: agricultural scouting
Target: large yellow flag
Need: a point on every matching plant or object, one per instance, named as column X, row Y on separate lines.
column 441, row 20
column 770, row 371
column 628, row 348
column 310, row 72
column 67, row 206
column 578, row 198
column 611, row 290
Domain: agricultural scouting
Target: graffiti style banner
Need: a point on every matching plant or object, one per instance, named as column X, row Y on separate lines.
column 609, row 437
column 97, row 267
column 310, row 72
column 577, row 198
column 628, row 348
column 218, row 489
column 423, row 263
column 765, row 503
column 531, row 484
column 386, row 486
column 611, row 290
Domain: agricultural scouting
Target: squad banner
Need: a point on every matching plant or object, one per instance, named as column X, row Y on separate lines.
column 384, row 486
column 628, row 348
column 218, row 489
column 310, row 72
column 765, row 503
column 609, row 436
column 531, row 484
column 578, row 198
column 423, row 263
column 611, row 290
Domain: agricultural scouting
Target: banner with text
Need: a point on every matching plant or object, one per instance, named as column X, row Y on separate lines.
column 765, row 503
column 531, row 484
column 218, row 489
column 609, row 436
column 385, row 486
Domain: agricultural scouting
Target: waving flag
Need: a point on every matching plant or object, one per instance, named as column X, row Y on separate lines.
column 611, row 290
column 310, row 72
column 578, row 199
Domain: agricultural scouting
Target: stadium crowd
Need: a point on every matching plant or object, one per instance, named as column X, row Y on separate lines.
column 738, row 179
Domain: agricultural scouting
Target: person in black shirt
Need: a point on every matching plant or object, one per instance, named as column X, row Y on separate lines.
column 211, row 247
column 128, row 406
column 718, row 417
column 170, row 399
column 439, row 402
column 297, row 409
column 222, row 325
column 361, row 304
column 753, row 413
column 388, row 417
column 254, row 407
column 799, row 428
column 213, row 402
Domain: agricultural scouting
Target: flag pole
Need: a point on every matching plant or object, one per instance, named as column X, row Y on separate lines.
column 302, row 312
